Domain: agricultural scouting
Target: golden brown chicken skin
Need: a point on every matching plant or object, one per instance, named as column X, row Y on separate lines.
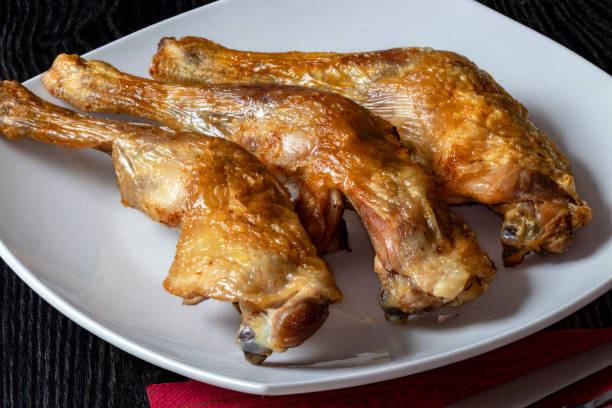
column 317, row 142
column 476, row 140
column 240, row 239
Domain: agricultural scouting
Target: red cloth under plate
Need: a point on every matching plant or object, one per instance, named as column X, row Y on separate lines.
column 434, row 388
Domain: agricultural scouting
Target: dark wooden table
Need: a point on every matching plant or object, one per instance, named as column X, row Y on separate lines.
column 47, row 360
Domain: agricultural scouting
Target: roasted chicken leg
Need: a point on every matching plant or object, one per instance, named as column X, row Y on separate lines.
column 321, row 144
column 476, row 141
column 240, row 239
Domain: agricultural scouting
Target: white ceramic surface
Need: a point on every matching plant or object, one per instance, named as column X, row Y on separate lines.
column 66, row 234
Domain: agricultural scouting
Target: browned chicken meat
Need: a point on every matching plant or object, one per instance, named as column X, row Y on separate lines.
column 320, row 144
column 240, row 239
column 475, row 140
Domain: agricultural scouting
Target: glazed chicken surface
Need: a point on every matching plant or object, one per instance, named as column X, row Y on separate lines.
column 474, row 139
column 323, row 146
column 240, row 239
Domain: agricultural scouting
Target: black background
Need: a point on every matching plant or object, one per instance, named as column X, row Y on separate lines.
column 49, row 361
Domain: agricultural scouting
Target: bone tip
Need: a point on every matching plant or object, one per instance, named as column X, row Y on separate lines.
column 158, row 60
column 254, row 352
column 396, row 316
column 54, row 75
column 165, row 41
column 63, row 58
column 254, row 358
column 14, row 101
column 393, row 314
column 8, row 85
column 513, row 250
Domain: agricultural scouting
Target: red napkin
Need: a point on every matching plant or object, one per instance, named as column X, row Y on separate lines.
column 434, row 388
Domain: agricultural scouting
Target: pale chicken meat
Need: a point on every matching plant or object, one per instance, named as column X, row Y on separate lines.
column 324, row 147
column 240, row 239
column 474, row 139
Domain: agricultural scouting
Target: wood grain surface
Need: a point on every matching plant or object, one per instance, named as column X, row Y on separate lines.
column 46, row 360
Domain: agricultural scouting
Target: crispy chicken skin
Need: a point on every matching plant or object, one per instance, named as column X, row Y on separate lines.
column 320, row 143
column 240, row 239
column 476, row 141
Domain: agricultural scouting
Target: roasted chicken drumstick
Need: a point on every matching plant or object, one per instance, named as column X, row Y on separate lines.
column 319, row 143
column 240, row 239
column 476, row 140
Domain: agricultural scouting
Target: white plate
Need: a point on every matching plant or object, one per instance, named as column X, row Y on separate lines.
column 67, row 236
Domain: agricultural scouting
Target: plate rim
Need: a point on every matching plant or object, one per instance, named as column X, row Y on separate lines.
column 373, row 374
